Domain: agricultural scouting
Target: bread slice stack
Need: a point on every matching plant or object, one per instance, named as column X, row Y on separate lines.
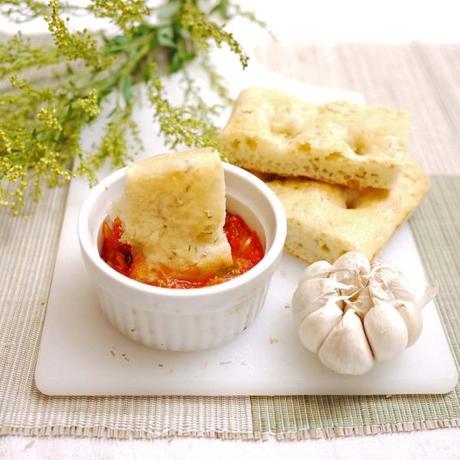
column 341, row 170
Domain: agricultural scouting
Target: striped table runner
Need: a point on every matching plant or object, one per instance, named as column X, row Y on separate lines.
column 422, row 79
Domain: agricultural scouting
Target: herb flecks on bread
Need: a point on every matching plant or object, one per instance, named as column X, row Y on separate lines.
column 358, row 146
column 326, row 221
column 173, row 210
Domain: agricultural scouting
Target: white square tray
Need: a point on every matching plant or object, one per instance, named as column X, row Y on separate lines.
column 82, row 354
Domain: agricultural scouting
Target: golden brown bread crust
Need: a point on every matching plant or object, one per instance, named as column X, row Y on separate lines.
column 358, row 146
column 325, row 221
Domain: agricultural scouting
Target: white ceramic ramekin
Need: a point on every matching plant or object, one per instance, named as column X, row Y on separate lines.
column 185, row 319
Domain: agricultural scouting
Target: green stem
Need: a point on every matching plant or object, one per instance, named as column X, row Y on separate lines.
column 106, row 85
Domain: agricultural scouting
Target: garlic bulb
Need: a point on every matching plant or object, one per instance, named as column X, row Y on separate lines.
column 353, row 313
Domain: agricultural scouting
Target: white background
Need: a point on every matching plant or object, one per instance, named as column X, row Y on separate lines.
column 334, row 21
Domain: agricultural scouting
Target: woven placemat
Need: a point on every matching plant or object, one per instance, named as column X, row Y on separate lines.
column 28, row 250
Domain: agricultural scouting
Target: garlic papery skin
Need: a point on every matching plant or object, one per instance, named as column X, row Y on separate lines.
column 319, row 269
column 318, row 325
column 346, row 349
column 361, row 302
column 313, row 294
column 354, row 313
column 412, row 316
column 392, row 282
column 386, row 331
column 351, row 268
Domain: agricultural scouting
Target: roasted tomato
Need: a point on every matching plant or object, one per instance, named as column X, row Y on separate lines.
column 246, row 248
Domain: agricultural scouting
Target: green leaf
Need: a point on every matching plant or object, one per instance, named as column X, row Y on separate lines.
column 147, row 74
column 182, row 51
column 142, row 29
column 153, row 42
column 189, row 56
column 168, row 10
column 221, row 8
column 116, row 44
column 165, row 37
column 126, row 89
column 120, row 40
column 176, row 62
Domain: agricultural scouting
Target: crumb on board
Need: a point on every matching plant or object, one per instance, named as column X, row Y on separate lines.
column 272, row 339
column 112, row 352
column 125, row 357
column 160, row 365
column 133, row 330
column 243, row 363
column 287, row 306
column 223, row 363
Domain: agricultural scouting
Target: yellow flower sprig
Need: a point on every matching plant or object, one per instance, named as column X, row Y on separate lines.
column 41, row 123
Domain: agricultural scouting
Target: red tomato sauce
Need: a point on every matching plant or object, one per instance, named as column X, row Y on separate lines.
column 247, row 251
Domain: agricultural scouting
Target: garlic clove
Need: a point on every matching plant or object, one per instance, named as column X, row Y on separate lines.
column 302, row 303
column 320, row 269
column 393, row 282
column 317, row 326
column 346, row 350
column 353, row 268
column 412, row 317
column 311, row 295
column 386, row 331
column 353, row 259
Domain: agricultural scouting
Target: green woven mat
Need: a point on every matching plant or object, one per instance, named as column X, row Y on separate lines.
column 436, row 227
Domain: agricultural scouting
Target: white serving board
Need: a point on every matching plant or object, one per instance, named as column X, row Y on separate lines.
column 82, row 354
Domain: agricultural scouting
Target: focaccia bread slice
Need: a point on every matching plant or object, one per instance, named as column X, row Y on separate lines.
column 358, row 146
column 325, row 221
column 173, row 211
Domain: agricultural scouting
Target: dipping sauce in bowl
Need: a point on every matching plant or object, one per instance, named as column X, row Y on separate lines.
column 170, row 316
column 247, row 251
